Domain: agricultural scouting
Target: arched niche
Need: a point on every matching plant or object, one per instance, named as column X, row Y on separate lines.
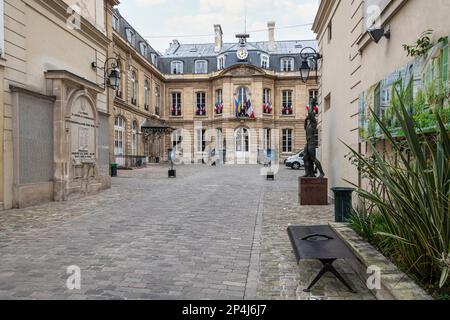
column 81, row 119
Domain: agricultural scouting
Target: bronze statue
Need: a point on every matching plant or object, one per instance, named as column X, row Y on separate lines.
column 312, row 143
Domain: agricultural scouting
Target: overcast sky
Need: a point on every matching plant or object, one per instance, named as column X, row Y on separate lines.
column 161, row 21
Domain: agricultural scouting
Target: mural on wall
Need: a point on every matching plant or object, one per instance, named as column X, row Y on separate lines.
column 424, row 82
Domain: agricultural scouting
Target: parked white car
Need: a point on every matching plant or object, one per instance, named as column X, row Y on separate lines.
column 296, row 161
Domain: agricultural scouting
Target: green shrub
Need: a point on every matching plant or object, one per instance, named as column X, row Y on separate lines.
column 412, row 204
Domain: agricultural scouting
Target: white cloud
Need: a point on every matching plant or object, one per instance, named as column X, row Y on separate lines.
column 197, row 17
column 150, row 2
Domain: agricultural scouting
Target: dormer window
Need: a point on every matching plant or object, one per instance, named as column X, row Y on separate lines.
column 130, row 36
column 201, row 66
column 287, row 64
column 220, row 62
column 264, row 61
column 144, row 48
column 176, row 67
column 154, row 59
column 115, row 23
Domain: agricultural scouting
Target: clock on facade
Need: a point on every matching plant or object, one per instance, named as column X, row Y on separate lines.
column 242, row 53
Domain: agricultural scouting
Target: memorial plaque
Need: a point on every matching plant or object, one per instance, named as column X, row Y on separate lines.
column 83, row 129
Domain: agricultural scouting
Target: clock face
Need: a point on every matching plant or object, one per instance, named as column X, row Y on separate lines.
column 242, row 54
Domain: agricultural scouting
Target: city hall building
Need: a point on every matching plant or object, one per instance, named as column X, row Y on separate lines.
column 228, row 100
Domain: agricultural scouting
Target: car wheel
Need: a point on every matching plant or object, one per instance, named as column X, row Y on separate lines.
column 296, row 166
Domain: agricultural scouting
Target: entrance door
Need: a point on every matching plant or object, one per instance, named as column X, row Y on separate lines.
column 242, row 142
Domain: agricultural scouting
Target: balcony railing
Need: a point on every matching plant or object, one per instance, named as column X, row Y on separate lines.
column 129, row 162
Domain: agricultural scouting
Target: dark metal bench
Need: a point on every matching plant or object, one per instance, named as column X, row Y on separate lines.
column 319, row 243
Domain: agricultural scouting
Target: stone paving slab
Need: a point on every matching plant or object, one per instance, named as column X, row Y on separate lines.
column 212, row 233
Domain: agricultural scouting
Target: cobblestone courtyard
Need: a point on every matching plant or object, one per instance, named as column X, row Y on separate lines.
column 212, row 233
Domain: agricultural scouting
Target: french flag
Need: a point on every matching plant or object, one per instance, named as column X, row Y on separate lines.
column 250, row 111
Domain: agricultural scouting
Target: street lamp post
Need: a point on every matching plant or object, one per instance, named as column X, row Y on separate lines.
column 305, row 68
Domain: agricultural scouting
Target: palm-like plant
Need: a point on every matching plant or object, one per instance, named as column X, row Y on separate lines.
column 414, row 200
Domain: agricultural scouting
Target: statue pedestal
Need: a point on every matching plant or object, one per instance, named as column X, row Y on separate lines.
column 313, row 191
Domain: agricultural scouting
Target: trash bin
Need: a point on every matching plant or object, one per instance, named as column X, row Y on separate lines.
column 343, row 203
column 114, row 169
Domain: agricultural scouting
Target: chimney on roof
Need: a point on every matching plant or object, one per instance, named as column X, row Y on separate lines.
column 271, row 27
column 218, row 43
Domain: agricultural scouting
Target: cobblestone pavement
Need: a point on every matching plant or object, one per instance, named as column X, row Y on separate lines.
column 212, row 233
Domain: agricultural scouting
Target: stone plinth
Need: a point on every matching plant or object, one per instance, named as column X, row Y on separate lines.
column 313, row 191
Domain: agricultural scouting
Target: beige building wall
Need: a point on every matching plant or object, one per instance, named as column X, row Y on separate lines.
column 123, row 106
column 229, row 80
column 38, row 40
column 352, row 62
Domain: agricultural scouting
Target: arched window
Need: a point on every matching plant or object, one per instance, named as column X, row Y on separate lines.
column 119, row 140
column 242, row 94
column 133, row 87
column 287, row 64
column 176, row 67
column 243, row 103
column 146, row 89
column 134, row 131
column 201, row 66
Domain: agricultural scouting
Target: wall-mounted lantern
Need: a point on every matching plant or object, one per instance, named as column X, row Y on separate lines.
column 377, row 33
column 111, row 74
column 305, row 68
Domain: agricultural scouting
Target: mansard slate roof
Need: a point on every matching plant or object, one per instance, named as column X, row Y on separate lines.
column 207, row 49
column 189, row 53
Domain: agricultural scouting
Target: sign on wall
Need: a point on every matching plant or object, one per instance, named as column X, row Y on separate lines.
column 424, row 83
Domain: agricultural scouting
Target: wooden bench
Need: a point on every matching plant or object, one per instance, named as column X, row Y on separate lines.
column 319, row 243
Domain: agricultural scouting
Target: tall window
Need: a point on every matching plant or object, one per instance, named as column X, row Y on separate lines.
column 177, row 139
column 201, row 104
column 157, row 100
column 201, row 143
column 119, row 139
column 287, row 64
column 219, row 101
column 220, row 62
column 146, row 89
column 287, row 140
column 134, row 131
column 243, row 102
column 264, row 61
column 242, row 94
column 176, row 104
column 201, row 66
column 267, row 101
column 313, row 95
column 267, row 135
column 176, row 67
column 287, row 108
column 133, row 87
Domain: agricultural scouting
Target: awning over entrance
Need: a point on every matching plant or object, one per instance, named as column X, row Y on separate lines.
column 153, row 127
